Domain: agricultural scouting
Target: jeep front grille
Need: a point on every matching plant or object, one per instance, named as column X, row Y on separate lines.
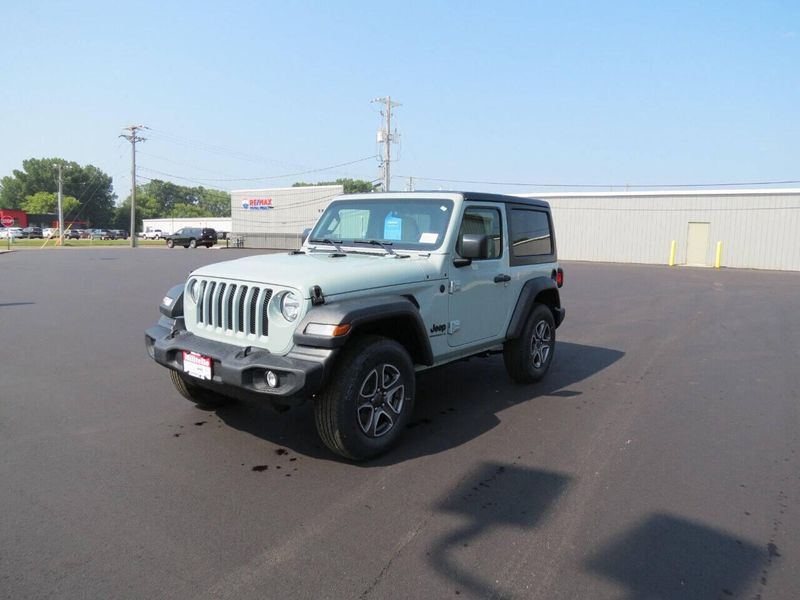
column 232, row 308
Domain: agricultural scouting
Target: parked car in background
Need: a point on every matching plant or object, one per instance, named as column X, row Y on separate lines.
column 32, row 232
column 153, row 234
column 72, row 234
column 49, row 232
column 118, row 234
column 191, row 237
column 100, row 234
column 14, row 233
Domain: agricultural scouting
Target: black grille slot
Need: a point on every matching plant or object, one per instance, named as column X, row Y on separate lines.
column 209, row 308
column 218, row 306
column 241, row 307
column 200, row 302
column 229, row 320
column 254, row 309
column 264, row 313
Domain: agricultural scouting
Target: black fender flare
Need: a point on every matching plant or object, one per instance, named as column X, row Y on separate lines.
column 527, row 298
column 361, row 312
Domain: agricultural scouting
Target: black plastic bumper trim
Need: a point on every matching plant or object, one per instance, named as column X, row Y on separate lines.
column 238, row 371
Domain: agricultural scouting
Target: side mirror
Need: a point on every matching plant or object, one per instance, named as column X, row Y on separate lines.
column 304, row 235
column 474, row 246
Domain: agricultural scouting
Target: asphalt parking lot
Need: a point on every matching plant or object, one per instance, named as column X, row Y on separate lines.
column 659, row 459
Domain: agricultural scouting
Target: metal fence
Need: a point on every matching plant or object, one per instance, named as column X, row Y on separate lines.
column 273, row 241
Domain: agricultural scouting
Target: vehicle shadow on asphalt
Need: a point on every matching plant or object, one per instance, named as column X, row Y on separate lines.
column 494, row 496
column 455, row 404
column 666, row 557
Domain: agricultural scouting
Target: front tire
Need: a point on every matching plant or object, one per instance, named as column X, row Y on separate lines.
column 192, row 243
column 202, row 397
column 170, row 244
column 365, row 407
column 528, row 357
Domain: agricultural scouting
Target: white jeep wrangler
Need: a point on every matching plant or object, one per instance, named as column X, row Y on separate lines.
column 384, row 285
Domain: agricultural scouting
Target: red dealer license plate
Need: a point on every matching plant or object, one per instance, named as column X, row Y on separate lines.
column 196, row 365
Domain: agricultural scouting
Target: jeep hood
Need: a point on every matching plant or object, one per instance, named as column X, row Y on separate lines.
column 335, row 275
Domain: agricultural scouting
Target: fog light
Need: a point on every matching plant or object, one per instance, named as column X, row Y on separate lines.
column 272, row 379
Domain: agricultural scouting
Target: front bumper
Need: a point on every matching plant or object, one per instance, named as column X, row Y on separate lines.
column 240, row 371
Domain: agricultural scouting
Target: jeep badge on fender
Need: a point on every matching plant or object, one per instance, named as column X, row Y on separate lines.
column 385, row 285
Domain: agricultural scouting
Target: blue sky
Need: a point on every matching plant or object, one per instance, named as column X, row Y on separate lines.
column 569, row 92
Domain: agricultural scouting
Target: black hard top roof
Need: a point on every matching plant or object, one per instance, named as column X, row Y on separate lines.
column 485, row 197
column 475, row 196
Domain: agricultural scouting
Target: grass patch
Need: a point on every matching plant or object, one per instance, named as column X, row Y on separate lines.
column 77, row 243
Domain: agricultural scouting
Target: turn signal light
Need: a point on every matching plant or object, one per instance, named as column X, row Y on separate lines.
column 560, row 277
column 327, row 330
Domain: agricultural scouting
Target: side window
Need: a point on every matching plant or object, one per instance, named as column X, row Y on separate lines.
column 530, row 233
column 485, row 221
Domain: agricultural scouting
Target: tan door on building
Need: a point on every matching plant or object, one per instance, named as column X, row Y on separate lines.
column 697, row 244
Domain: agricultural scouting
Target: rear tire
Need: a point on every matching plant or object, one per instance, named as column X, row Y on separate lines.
column 192, row 243
column 170, row 244
column 528, row 357
column 202, row 397
column 366, row 405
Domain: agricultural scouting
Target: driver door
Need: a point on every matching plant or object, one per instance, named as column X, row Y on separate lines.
column 479, row 291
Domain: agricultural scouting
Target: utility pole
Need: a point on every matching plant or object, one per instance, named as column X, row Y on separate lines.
column 387, row 136
column 133, row 136
column 60, row 206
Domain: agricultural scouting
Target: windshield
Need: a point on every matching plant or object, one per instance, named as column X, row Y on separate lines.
column 408, row 224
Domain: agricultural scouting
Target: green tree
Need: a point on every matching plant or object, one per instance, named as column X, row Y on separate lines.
column 188, row 210
column 89, row 185
column 169, row 196
column 351, row 186
column 146, row 208
column 42, row 203
column 216, row 202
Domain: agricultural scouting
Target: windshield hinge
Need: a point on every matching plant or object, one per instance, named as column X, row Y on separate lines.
column 316, row 296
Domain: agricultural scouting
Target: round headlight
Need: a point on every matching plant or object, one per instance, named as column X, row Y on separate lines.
column 193, row 290
column 290, row 306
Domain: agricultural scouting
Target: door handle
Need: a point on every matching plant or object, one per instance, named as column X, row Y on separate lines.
column 502, row 278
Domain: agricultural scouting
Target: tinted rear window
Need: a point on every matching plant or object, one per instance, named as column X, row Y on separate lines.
column 530, row 233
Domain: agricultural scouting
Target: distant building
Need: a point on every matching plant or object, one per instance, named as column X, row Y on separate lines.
column 276, row 217
column 171, row 225
column 759, row 229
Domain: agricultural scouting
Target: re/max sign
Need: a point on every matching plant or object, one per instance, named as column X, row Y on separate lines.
column 257, row 203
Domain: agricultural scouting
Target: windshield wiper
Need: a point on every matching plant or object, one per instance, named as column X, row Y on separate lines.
column 385, row 245
column 330, row 242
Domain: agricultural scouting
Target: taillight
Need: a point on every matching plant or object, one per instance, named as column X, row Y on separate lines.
column 560, row 277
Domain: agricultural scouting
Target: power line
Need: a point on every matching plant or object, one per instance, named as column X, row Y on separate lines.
column 270, row 177
column 217, row 149
column 604, row 185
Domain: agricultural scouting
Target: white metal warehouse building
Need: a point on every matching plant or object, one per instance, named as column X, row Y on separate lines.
column 759, row 229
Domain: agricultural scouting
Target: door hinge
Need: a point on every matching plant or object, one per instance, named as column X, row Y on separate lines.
column 454, row 326
column 455, row 286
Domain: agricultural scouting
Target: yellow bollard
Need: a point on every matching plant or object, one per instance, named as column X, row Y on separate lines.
column 718, row 259
column 672, row 251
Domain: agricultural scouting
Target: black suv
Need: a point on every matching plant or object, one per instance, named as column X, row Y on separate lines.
column 191, row 237
column 33, row 232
